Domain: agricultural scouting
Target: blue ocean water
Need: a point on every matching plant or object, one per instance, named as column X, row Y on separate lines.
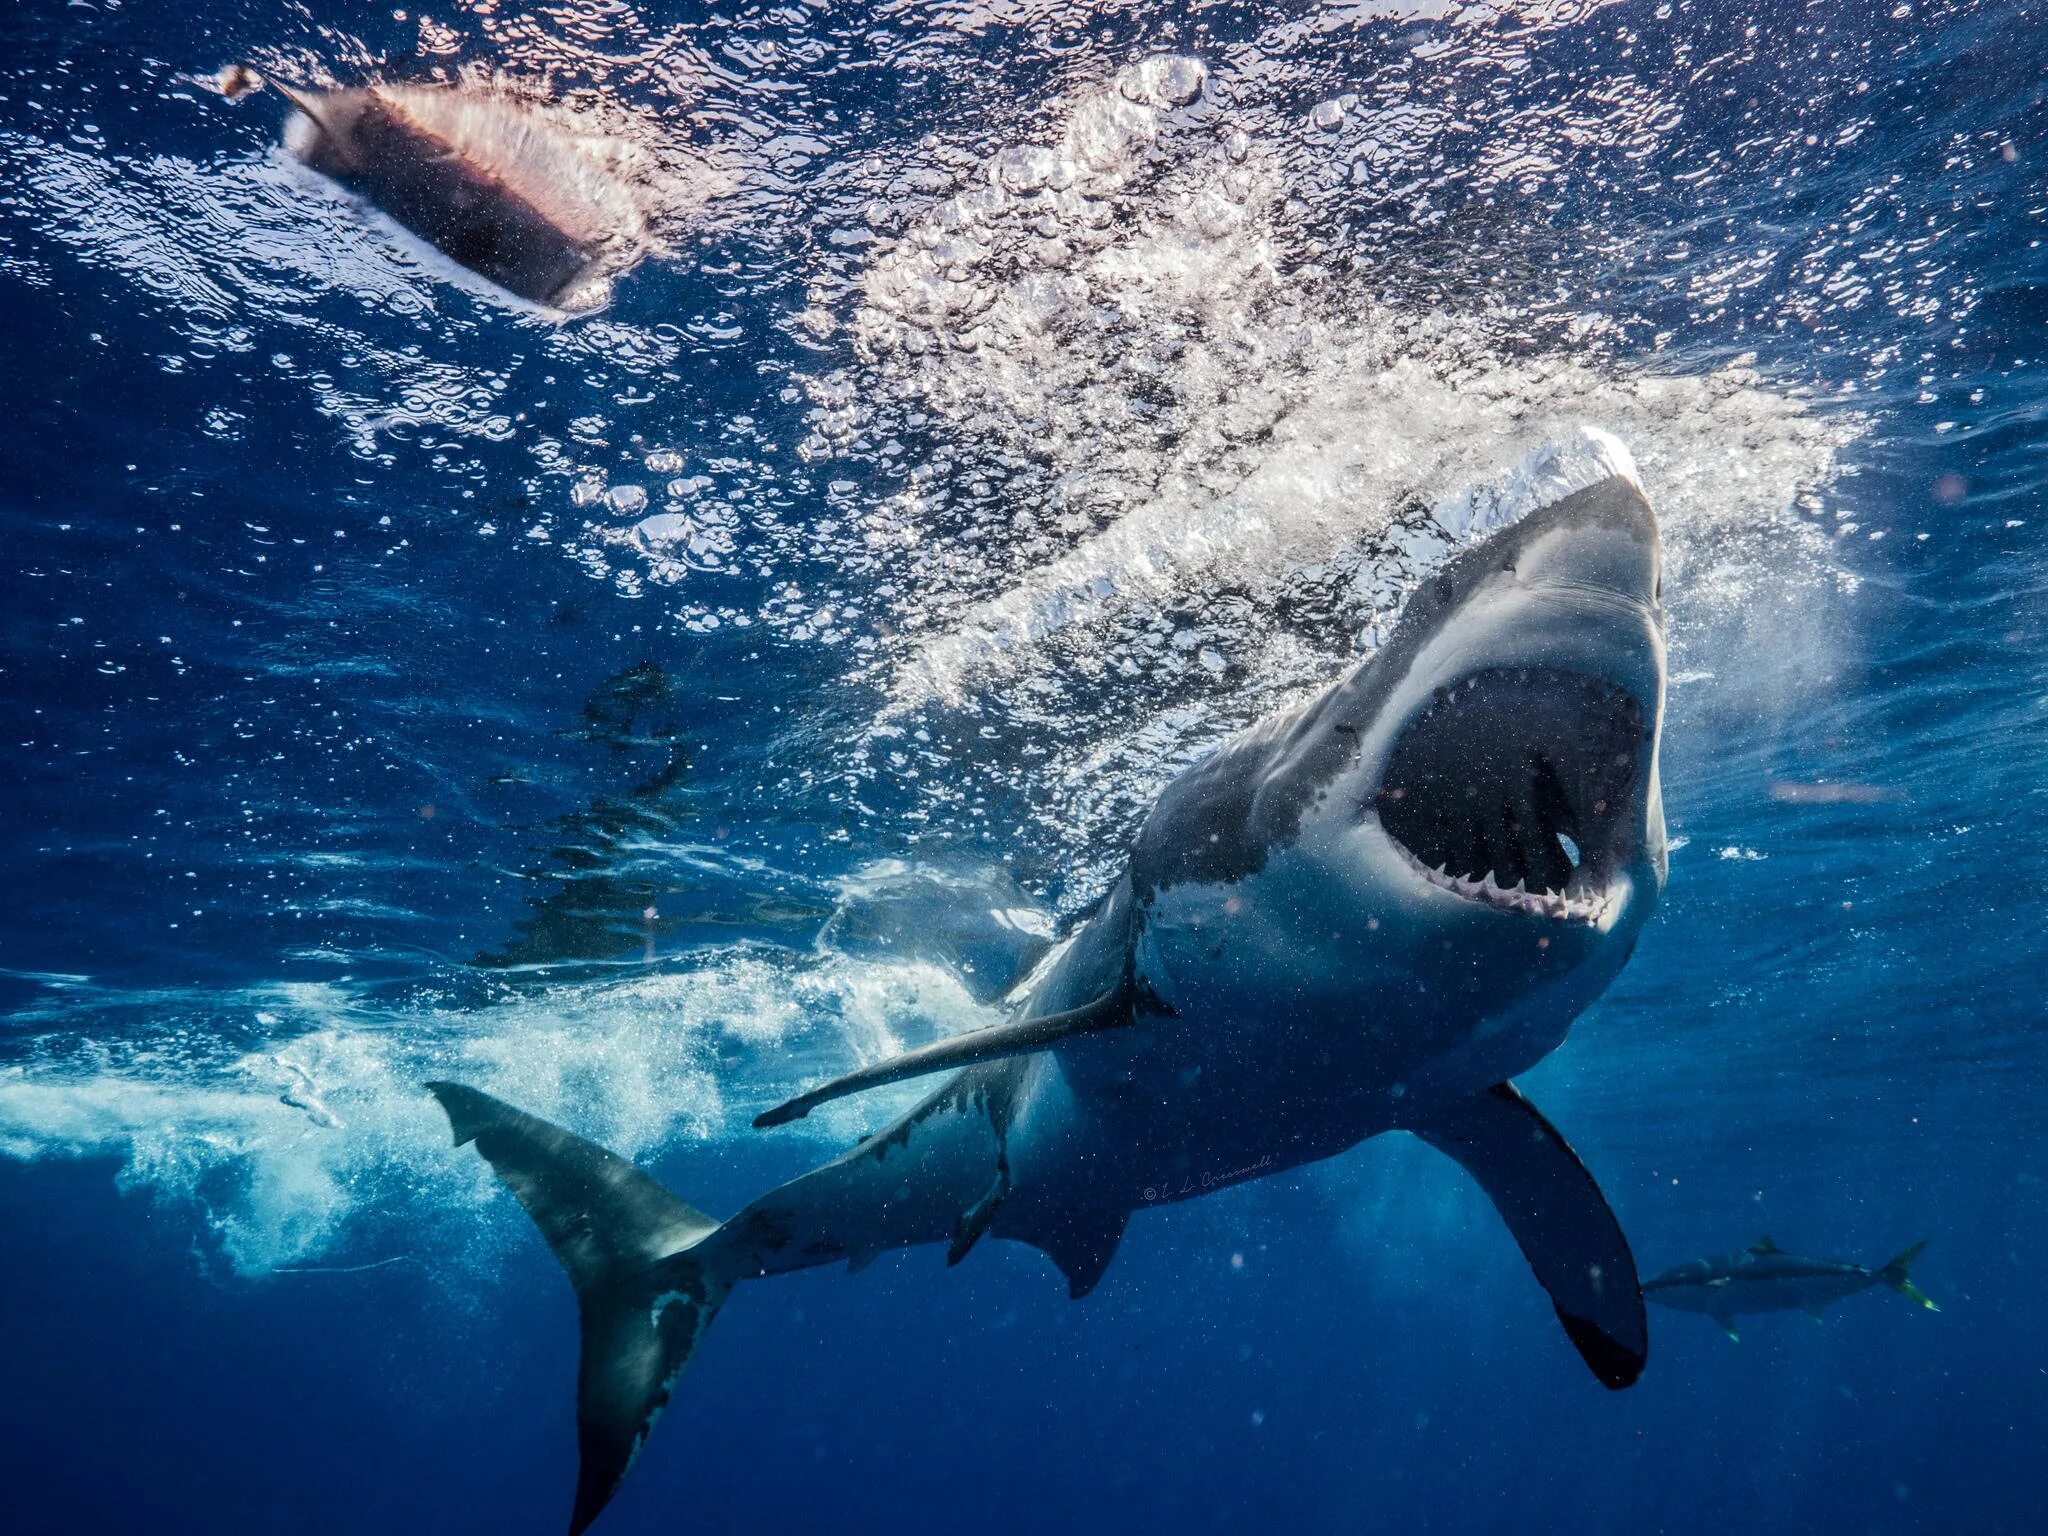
column 399, row 683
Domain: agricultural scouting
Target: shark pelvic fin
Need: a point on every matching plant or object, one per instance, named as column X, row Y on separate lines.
column 1020, row 1037
column 974, row 1220
column 1081, row 1245
column 1559, row 1217
column 644, row 1294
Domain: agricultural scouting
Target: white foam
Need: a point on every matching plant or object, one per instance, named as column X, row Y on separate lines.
column 1117, row 315
column 284, row 1148
column 1540, row 478
column 1480, row 445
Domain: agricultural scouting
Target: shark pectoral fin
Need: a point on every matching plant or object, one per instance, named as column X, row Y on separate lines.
column 1728, row 1327
column 1019, row 1038
column 1082, row 1244
column 974, row 1220
column 1559, row 1217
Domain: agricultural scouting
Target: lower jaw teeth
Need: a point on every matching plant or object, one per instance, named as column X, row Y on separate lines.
column 1515, row 898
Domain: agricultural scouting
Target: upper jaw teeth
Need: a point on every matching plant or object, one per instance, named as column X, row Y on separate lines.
column 1576, row 906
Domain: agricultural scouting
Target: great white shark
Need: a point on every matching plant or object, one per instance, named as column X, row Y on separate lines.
column 1364, row 914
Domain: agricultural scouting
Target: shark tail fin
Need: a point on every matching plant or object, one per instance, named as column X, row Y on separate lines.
column 1894, row 1275
column 644, row 1293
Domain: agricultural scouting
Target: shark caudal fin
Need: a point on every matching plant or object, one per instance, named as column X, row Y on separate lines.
column 626, row 1243
column 1894, row 1275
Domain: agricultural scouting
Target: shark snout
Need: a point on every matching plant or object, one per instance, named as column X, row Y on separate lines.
column 1523, row 775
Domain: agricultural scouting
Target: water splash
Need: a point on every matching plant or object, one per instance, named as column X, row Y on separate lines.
column 285, row 1119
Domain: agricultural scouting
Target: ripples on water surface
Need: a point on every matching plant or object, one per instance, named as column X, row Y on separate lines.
column 1021, row 398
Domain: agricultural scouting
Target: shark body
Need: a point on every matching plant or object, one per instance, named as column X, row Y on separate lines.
column 1361, row 915
column 1765, row 1278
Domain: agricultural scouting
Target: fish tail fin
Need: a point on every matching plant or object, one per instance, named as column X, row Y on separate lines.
column 1894, row 1275
column 645, row 1288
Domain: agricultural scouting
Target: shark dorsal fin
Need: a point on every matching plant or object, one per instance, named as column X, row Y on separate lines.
column 1764, row 1245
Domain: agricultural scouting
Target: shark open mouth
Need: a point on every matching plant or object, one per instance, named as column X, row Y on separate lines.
column 1515, row 788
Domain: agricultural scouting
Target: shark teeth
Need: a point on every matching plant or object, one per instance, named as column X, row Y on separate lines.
column 1559, row 906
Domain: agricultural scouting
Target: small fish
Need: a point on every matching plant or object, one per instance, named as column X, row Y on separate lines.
column 480, row 174
column 1765, row 1278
